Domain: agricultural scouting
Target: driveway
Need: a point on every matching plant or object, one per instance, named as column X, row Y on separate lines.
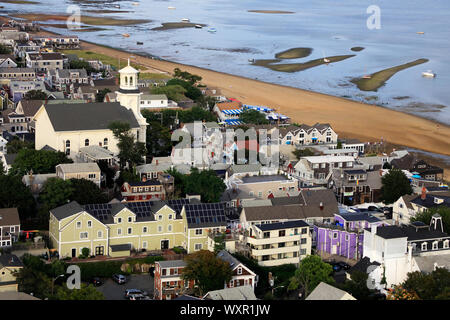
column 114, row 291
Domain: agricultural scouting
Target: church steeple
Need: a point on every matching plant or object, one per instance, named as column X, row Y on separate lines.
column 128, row 79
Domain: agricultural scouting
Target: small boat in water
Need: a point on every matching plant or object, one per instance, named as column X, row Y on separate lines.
column 117, row 6
column 126, row 35
column 185, row 20
column 139, row 43
column 135, row 3
column 251, row 60
column 429, row 74
column 171, row 8
column 420, row 32
column 198, row 26
column 212, row 30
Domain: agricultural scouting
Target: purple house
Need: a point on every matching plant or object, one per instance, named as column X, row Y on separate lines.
column 345, row 236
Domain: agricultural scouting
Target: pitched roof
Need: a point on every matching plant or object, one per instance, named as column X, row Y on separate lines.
column 227, row 257
column 66, row 210
column 9, row 217
column 362, row 265
column 171, row 263
column 326, row 292
column 88, row 116
column 229, row 105
column 79, row 167
column 236, row 293
column 282, row 225
column 10, row 260
column 409, row 232
column 30, row 107
column 204, row 215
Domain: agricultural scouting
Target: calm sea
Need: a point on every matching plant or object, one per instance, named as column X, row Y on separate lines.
column 330, row 27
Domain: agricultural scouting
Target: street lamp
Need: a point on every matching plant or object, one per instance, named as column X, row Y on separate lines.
column 53, row 281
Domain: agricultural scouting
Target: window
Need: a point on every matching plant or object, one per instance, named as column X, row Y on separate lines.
column 91, row 176
column 119, row 220
column 302, row 252
column 198, row 246
column 78, row 224
column 266, row 235
column 295, row 254
column 119, row 231
column 281, row 233
column 170, row 217
column 160, row 217
column 83, row 235
column 105, row 142
column 144, row 244
column 347, row 237
column 335, row 235
column 198, row 231
column 130, row 219
column 424, row 246
column 130, row 230
column 89, row 223
column 159, row 228
column 86, row 142
column 239, row 271
column 435, row 245
column 304, row 230
column 303, row 240
column 446, row 244
column 99, row 234
column 281, row 245
column 144, row 229
column 169, row 228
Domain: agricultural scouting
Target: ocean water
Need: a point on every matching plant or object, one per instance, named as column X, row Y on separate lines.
column 330, row 27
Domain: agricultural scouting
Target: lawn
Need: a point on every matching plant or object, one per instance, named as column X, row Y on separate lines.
column 89, row 55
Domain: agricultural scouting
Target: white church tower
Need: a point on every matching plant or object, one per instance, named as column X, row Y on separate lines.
column 129, row 97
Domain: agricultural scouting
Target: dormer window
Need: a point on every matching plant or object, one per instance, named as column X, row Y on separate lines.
column 446, row 244
column 119, row 220
column 130, row 219
column 435, row 245
column 239, row 271
column 424, row 246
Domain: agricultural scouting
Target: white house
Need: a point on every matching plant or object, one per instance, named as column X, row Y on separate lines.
column 403, row 249
column 154, row 101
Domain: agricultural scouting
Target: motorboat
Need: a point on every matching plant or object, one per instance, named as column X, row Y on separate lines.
column 139, row 43
column 185, row 20
column 251, row 60
column 126, row 35
column 420, row 32
column 171, row 8
column 428, row 74
column 212, row 30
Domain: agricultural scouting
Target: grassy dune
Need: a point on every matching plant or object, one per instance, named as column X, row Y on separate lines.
column 295, row 67
column 294, row 53
column 177, row 25
column 379, row 78
column 151, row 75
column 265, row 62
column 89, row 55
column 95, row 21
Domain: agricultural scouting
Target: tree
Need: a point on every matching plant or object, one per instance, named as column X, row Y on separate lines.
column 159, row 143
column 253, row 117
column 394, row 185
column 55, row 193
column 40, row 161
column 4, row 49
column 400, row 293
column 85, row 192
column 86, row 292
column 429, row 286
column 173, row 92
column 205, row 183
column 191, row 91
column 14, row 194
column 208, row 271
column 310, row 273
column 357, row 286
column 100, row 96
column 303, row 152
column 192, row 78
column 425, row 216
column 81, row 64
column 33, row 278
column 85, row 252
column 387, row 165
column 207, row 103
column 35, row 95
column 130, row 152
column 339, row 145
column 15, row 145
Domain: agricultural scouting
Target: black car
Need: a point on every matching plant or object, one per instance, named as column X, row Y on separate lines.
column 96, row 281
column 343, row 265
column 336, row 267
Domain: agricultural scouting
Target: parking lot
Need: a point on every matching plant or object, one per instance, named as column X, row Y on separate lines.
column 113, row 291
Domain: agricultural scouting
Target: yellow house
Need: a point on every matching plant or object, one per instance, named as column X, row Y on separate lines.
column 114, row 229
column 9, row 264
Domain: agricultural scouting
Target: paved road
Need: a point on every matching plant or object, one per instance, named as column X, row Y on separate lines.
column 114, row 291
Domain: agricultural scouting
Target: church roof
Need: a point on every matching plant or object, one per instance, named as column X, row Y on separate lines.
column 88, row 116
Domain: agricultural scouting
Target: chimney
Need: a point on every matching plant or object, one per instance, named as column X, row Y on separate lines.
column 321, row 206
column 157, row 161
column 424, row 193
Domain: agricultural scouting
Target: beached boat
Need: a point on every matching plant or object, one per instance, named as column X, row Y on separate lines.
column 429, row 74
column 198, row 26
column 251, row 60
column 185, row 20
column 126, row 35
column 366, row 76
column 326, row 60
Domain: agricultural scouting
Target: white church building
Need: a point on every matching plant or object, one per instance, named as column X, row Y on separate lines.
column 70, row 127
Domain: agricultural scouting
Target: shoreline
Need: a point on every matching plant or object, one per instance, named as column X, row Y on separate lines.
column 349, row 118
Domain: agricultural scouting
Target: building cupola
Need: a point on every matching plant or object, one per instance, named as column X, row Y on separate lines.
column 436, row 223
column 129, row 79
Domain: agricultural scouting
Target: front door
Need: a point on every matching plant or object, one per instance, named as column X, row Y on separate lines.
column 99, row 251
column 74, row 253
column 164, row 244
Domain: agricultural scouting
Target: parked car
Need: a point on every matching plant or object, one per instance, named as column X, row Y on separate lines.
column 119, row 278
column 138, row 296
column 336, row 267
column 131, row 292
column 343, row 265
column 96, row 281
